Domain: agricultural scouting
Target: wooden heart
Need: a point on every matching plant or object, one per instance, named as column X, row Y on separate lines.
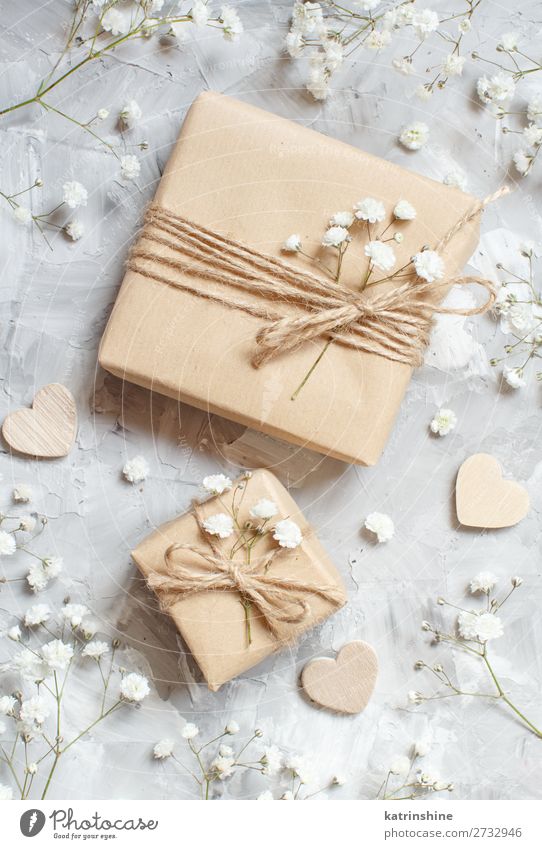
column 484, row 499
column 46, row 430
column 345, row 684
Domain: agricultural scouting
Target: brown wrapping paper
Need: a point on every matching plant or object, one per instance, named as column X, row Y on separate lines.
column 212, row 622
column 258, row 178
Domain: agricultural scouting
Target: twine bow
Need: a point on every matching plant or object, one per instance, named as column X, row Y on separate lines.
column 282, row 601
column 395, row 324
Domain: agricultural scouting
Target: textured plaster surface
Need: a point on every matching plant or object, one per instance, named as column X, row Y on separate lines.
column 54, row 305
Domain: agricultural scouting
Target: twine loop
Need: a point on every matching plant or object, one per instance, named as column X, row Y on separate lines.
column 281, row 600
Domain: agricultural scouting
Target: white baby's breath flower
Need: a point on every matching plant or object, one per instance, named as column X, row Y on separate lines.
column 516, row 581
column 489, row 627
column 22, row 494
column 341, row 219
column 370, row 209
column 130, row 167
column 443, row 422
column 34, row 711
column 367, row 5
column 8, row 546
column 232, row 25
column 75, row 229
column 378, row 39
column 219, row 525
column 400, row 766
column 22, row 214
column 509, row 41
column 7, row 705
column 14, row 633
column 380, row 524
column 414, row 136
column 424, row 92
column 264, row 509
column 300, row 767
column 467, row 624
column 102, row 114
column 533, row 135
column 57, row 654
column 522, row 162
column 318, row 84
column 130, row 113
column 496, row 89
column 335, row 236
column 272, row 760
column 454, row 64
column 74, row 614
column 333, row 54
column 382, row 256
column 514, row 378
column 6, row 793
column 232, row 727
column 403, row 65
column 29, row 665
column 217, row 484
column 37, row 615
column 74, row 194
column 404, row 211
column 190, row 731
column 115, row 21
column 163, row 749
column 483, row 582
column 53, row 566
column 292, row 244
column 134, row 687
column 425, row 21
column 32, row 768
column 37, row 577
column 136, row 470
column 199, row 13
column 429, row 265
column 265, row 796
column 307, row 18
column 294, row 44
column 223, row 767
column 465, row 25
column 95, row 649
column 288, row 534
column 456, row 179
column 339, row 780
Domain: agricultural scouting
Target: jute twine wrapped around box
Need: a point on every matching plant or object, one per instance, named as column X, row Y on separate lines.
column 282, row 601
column 394, row 324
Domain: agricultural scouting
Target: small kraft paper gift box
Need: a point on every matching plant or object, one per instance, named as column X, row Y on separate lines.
column 215, row 313
column 242, row 575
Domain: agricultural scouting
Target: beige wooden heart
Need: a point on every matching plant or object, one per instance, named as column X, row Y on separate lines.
column 345, row 684
column 46, row 430
column 484, row 499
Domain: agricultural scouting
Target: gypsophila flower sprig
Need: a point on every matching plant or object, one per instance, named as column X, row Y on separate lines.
column 18, row 533
column 95, row 31
column 325, row 35
column 475, row 629
column 519, row 308
column 212, row 762
column 497, row 89
column 245, row 537
column 407, row 778
column 366, row 222
column 49, row 650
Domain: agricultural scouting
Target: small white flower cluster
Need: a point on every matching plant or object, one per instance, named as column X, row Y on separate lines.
column 326, row 32
column 381, row 525
column 428, row 264
column 520, row 312
column 443, row 422
column 285, row 531
column 409, row 776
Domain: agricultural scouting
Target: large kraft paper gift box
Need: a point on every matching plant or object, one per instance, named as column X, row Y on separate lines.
column 301, row 584
column 257, row 178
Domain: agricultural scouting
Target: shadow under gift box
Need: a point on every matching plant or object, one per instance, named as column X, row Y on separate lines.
column 256, row 177
column 212, row 622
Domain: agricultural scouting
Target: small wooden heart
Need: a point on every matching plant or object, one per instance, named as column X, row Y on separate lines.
column 46, row 430
column 345, row 684
column 484, row 499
